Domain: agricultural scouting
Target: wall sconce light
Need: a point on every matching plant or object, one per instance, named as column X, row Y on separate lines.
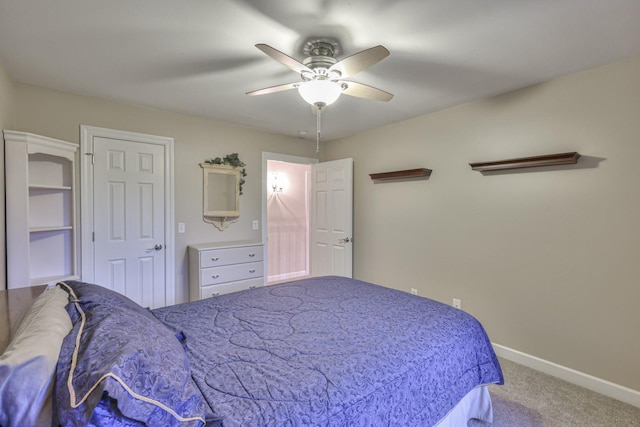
column 278, row 182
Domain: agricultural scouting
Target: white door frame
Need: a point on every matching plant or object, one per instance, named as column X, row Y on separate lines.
column 87, row 133
column 266, row 156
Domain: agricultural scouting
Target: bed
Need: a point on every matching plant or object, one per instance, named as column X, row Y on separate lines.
column 326, row 351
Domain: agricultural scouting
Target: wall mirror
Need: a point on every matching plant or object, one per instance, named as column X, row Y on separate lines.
column 221, row 194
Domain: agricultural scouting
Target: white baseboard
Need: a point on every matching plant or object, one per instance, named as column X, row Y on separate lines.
column 587, row 381
column 287, row 276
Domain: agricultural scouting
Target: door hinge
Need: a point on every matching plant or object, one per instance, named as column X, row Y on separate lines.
column 92, row 156
column 93, row 236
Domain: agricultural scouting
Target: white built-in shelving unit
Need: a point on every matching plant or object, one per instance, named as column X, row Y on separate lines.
column 41, row 209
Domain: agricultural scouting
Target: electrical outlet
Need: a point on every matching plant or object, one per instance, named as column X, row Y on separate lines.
column 255, row 225
column 414, row 291
column 457, row 303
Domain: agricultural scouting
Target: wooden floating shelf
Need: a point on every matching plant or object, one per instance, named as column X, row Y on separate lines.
column 406, row 174
column 527, row 162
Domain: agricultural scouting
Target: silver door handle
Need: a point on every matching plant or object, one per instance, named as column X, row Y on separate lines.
column 345, row 240
column 155, row 248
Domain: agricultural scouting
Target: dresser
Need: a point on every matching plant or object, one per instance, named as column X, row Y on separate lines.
column 221, row 268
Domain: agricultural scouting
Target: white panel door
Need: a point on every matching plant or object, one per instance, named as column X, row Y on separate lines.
column 332, row 218
column 128, row 209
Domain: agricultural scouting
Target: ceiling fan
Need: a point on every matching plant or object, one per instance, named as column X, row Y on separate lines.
column 323, row 75
column 322, row 66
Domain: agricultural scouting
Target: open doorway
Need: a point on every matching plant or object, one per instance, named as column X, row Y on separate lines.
column 286, row 213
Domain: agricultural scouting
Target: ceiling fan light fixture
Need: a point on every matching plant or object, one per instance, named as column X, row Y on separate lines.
column 320, row 91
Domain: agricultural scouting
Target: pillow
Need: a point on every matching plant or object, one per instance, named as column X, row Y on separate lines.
column 27, row 366
column 118, row 350
column 92, row 295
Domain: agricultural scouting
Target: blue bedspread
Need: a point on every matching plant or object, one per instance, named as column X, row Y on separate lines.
column 333, row 352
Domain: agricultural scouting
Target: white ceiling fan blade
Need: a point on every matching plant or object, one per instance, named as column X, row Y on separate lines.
column 284, row 59
column 359, row 61
column 360, row 90
column 273, row 89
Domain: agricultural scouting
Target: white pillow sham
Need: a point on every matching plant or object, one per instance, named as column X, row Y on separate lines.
column 27, row 366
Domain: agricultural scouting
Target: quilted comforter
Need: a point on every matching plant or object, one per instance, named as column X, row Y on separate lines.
column 331, row 351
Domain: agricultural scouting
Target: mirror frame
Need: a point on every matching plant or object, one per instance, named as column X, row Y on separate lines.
column 219, row 218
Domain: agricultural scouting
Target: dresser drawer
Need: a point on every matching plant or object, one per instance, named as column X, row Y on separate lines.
column 226, row 256
column 227, row 288
column 230, row 273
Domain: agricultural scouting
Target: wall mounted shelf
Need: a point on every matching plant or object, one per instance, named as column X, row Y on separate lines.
column 406, row 174
column 527, row 162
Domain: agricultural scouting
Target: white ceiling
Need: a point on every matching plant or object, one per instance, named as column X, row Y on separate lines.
column 198, row 57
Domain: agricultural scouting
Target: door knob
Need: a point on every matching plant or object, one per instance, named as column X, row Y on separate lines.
column 155, row 248
column 345, row 240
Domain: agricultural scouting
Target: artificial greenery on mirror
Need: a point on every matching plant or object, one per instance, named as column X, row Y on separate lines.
column 231, row 160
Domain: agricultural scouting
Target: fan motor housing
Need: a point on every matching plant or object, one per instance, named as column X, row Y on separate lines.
column 321, row 54
column 317, row 63
column 323, row 46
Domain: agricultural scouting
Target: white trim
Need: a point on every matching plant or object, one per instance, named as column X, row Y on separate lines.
column 87, row 133
column 615, row 391
column 281, row 158
column 287, row 276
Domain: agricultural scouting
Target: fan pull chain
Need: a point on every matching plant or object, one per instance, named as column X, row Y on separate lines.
column 319, row 107
column 318, row 125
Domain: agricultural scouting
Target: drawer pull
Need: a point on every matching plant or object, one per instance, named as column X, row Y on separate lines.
column 215, row 276
column 252, row 270
column 215, row 259
column 252, row 255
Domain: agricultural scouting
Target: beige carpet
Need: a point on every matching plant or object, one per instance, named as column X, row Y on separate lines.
column 533, row 399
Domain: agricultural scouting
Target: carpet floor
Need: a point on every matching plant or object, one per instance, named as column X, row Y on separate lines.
column 532, row 399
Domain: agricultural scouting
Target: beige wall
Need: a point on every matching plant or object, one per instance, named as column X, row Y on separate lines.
column 548, row 260
column 7, row 121
column 59, row 115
